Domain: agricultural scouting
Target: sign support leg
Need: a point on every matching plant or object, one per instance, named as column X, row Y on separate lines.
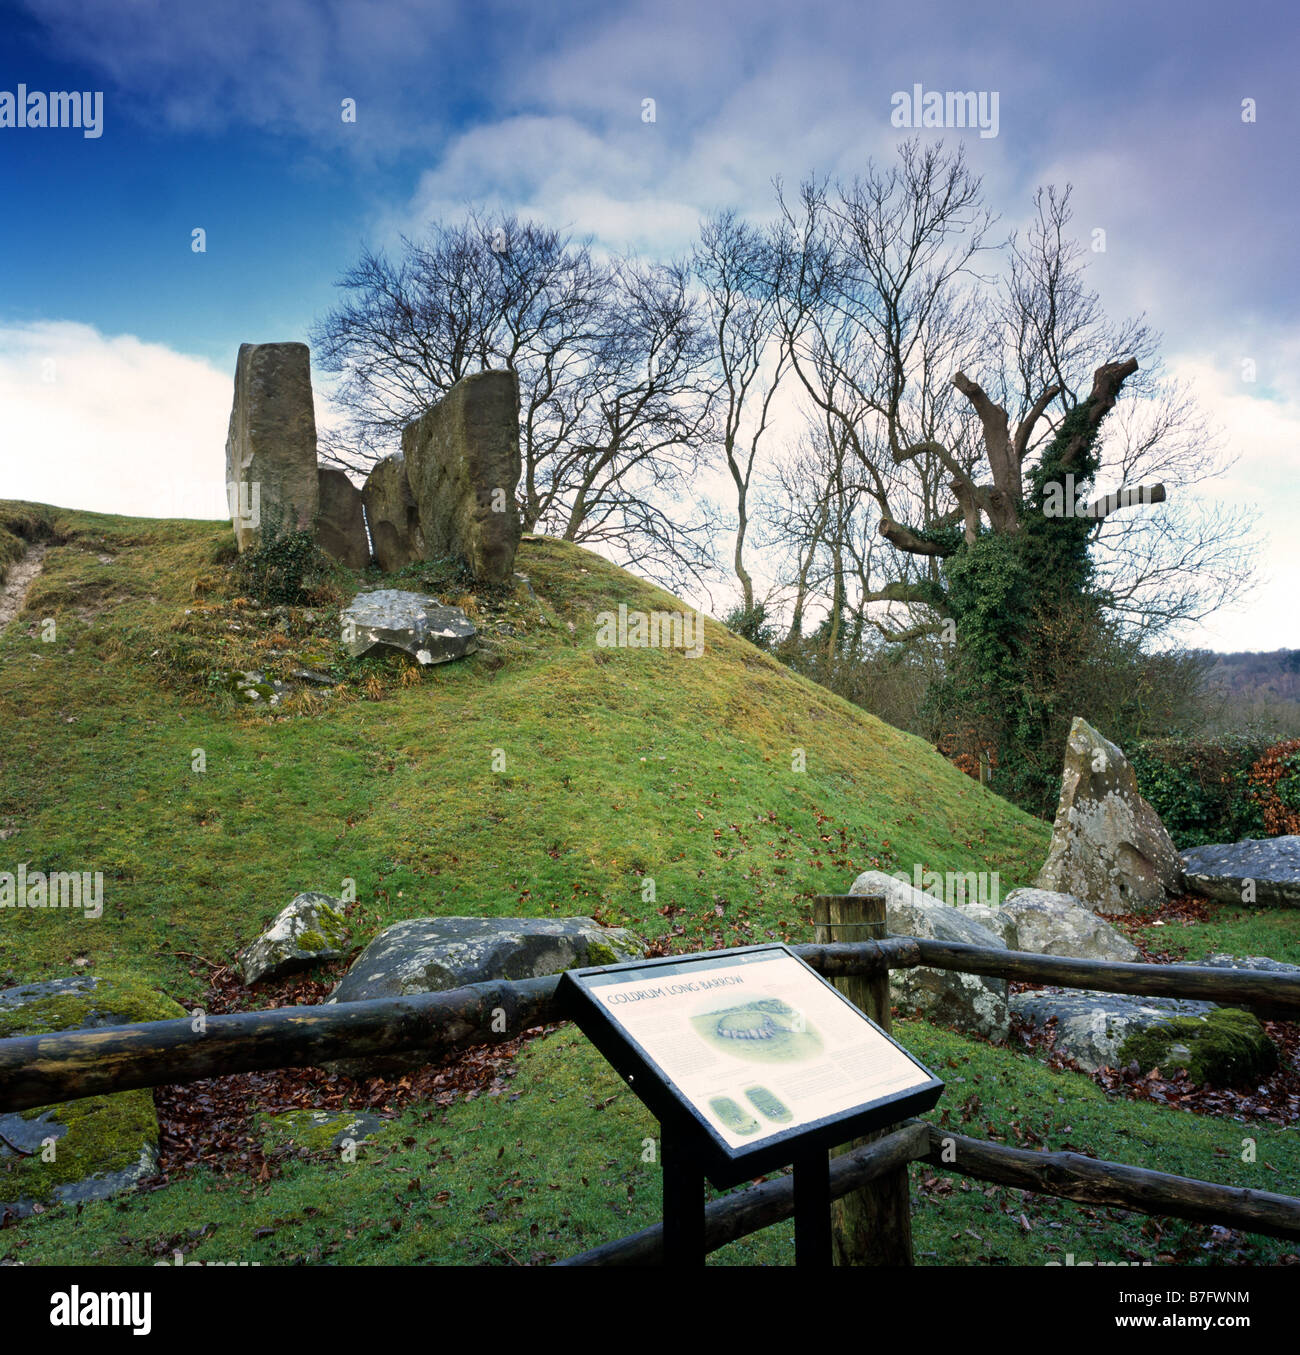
column 683, row 1202
column 812, row 1209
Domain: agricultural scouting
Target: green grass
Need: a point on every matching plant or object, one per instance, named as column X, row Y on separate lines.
column 621, row 767
column 556, row 1164
column 1236, row 929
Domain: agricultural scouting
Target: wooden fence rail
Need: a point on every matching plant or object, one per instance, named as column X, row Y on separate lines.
column 1067, row 1176
column 38, row 1070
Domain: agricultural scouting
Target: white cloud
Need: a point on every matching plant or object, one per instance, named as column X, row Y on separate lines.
column 111, row 423
column 1264, row 434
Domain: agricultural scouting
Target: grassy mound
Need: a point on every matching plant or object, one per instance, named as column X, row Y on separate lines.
column 544, row 774
column 700, row 801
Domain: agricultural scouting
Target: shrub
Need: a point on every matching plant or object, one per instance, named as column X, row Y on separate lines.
column 1275, row 783
column 1202, row 787
column 289, row 570
column 751, row 624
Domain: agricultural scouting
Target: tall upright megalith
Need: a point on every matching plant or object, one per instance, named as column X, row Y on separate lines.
column 462, row 463
column 271, row 446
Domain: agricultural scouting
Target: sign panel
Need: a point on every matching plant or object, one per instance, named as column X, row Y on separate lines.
column 755, row 1045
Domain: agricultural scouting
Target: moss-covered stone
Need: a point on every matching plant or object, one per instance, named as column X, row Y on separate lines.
column 84, row 1002
column 319, row 1131
column 1224, row 1047
column 309, row 930
column 94, row 1147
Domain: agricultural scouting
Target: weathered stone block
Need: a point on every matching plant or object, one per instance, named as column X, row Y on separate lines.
column 392, row 514
column 340, row 525
column 271, row 443
column 1108, row 847
column 462, row 463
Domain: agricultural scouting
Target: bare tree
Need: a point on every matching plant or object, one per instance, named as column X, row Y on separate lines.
column 740, row 307
column 609, row 358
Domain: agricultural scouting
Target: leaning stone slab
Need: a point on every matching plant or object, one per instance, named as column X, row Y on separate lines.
column 462, row 463
column 1226, row 871
column 1059, row 924
column 392, row 514
column 311, row 928
column 102, row 1144
column 1108, row 847
column 410, row 623
column 1091, row 1027
column 340, row 524
column 271, row 443
column 966, row 1001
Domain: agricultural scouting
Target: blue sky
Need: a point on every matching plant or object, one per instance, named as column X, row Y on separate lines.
column 117, row 340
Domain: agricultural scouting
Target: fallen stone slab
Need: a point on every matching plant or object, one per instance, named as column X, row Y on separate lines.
column 1051, row 923
column 969, row 1002
column 1108, row 846
column 322, row 1130
column 308, row 930
column 83, row 1150
column 433, row 954
column 408, row 623
column 1259, row 870
column 1222, row 960
column 1091, row 1027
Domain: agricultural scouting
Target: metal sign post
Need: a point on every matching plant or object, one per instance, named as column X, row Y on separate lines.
column 751, row 1062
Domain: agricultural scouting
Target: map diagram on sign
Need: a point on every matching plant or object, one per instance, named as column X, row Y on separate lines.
column 756, row 1041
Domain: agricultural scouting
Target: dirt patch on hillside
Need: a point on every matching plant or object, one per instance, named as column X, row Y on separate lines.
column 18, row 579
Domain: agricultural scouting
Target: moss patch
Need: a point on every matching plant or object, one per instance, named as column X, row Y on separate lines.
column 1224, row 1048
column 105, row 1135
column 125, row 1000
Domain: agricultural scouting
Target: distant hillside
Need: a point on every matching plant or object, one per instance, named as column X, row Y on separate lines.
column 1275, row 674
column 544, row 774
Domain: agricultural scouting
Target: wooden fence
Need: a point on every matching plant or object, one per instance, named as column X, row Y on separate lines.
column 866, row 1180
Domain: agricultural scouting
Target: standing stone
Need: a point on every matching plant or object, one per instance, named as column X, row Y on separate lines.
column 1108, row 847
column 271, row 446
column 462, row 461
column 340, row 524
column 392, row 514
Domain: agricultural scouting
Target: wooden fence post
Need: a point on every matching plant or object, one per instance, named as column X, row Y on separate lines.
column 871, row 1226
